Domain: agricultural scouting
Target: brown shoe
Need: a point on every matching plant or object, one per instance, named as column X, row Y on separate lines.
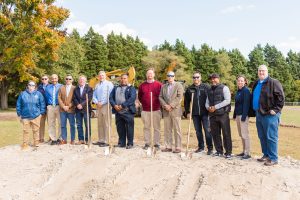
column 36, row 144
column 79, row 142
column 42, row 140
column 177, row 151
column 72, row 142
column 24, row 146
column 166, row 150
column 63, row 142
column 263, row 159
column 270, row 163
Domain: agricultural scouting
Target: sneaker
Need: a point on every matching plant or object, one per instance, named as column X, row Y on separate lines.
column 218, row 154
column 228, row 156
column 209, row 152
column 240, row 155
column 199, row 150
column 245, row 157
column 263, row 159
column 146, row 146
column 270, row 163
column 24, row 146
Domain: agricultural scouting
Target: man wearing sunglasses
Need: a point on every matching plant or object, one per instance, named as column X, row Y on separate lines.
column 42, row 89
column 67, row 109
column 199, row 114
column 170, row 98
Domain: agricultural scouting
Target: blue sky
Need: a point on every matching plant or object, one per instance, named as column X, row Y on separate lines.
column 220, row 23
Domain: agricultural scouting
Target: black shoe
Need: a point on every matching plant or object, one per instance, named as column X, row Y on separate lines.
column 129, row 146
column 245, row 157
column 58, row 141
column 120, row 146
column 97, row 143
column 240, row 155
column 103, row 144
column 209, row 152
column 146, row 146
column 228, row 156
column 218, row 154
column 199, row 150
column 156, row 146
column 53, row 142
column 263, row 159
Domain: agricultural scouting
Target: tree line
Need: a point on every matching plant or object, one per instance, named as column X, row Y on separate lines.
column 32, row 44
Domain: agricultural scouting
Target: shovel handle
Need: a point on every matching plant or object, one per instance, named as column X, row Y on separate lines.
column 190, row 122
column 88, row 117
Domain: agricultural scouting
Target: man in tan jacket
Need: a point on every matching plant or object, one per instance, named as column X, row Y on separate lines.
column 67, row 109
column 170, row 99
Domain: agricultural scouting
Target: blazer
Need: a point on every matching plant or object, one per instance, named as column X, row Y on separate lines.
column 63, row 100
column 174, row 100
column 130, row 96
column 81, row 99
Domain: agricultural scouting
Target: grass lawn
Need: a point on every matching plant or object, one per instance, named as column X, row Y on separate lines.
column 289, row 138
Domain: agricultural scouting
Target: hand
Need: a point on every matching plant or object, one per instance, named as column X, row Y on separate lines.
column 66, row 108
column 79, row 106
column 211, row 109
column 117, row 108
column 272, row 112
column 99, row 105
column 188, row 115
column 168, row 108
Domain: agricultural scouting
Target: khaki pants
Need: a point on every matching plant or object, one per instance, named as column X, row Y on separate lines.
column 146, row 118
column 103, row 124
column 172, row 123
column 42, row 126
column 244, row 133
column 53, row 114
column 34, row 125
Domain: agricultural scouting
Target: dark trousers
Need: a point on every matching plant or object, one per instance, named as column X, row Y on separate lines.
column 199, row 122
column 125, row 128
column 80, row 117
column 217, row 124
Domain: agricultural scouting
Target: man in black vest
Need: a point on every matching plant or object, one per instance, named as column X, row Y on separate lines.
column 218, row 106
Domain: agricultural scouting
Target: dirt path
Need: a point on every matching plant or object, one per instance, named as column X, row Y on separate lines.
column 72, row 172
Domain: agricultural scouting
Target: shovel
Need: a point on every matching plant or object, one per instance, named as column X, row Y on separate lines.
column 109, row 149
column 88, row 145
column 187, row 153
column 151, row 151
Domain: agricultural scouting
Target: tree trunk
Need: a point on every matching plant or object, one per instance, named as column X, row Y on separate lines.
column 4, row 94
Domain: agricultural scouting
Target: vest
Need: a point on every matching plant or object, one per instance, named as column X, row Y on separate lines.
column 216, row 96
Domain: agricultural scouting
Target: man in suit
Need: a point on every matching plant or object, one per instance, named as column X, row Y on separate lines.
column 122, row 99
column 67, row 109
column 42, row 89
column 80, row 103
column 170, row 99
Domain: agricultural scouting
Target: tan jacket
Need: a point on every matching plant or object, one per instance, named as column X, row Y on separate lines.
column 174, row 100
column 63, row 100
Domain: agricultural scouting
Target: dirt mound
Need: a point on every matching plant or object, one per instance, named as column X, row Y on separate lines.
column 72, row 172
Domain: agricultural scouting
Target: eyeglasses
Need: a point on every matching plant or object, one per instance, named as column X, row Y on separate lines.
column 196, row 77
column 170, row 75
column 44, row 79
column 68, row 79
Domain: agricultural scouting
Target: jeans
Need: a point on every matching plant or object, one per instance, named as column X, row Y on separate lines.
column 125, row 128
column 80, row 117
column 267, row 129
column 64, row 116
column 199, row 122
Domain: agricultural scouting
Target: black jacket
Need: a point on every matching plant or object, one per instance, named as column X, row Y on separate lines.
column 271, row 96
column 200, row 95
column 81, row 99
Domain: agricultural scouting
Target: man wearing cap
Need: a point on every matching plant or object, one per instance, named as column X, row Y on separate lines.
column 100, row 98
column 53, row 113
column 199, row 114
column 218, row 106
column 30, row 107
column 170, row 99
column 268, row 100
column 42, row 89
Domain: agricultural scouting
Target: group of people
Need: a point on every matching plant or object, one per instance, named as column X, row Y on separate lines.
column 209, row 110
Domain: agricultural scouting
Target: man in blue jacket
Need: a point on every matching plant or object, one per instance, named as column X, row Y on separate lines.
column 30, row 107
column 122, row 99
column 42, row 89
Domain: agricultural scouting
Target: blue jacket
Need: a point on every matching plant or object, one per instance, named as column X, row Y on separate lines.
column 242, row 103
column 130, row 96
column 30, row 105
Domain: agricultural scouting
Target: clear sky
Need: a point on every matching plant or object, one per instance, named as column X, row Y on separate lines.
column 220, row 23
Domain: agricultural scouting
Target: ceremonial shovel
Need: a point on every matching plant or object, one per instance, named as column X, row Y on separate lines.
column 151, row 151
column 88, row 146
column 109, row 149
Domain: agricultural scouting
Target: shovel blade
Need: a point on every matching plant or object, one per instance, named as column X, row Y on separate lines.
column 106, row 151
column 149, row 152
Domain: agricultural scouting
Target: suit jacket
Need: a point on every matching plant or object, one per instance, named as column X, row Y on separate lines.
column 81, row 99
column 130, row 96
column 63, row 100
column 174, row 100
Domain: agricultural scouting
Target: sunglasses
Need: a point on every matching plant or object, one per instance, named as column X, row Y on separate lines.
column 196, row 77
column 68, row 79
column 44, row 78
column 170, row 75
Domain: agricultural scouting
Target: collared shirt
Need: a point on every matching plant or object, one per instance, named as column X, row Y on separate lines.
column 81, row 89
column 51, row 93
column 102, row 91
column 225, row 102
column 44, row 86
column 170, row 88
column 68, row 88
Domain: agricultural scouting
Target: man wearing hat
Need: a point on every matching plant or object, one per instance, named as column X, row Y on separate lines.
column 218, row 106
column 170, row 98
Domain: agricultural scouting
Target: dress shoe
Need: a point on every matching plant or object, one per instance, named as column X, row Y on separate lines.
column 263, row 159
column 270, row 163
column 129, row 146
column 146, row 146
column 156, row 146
column 72, row 142
column 177, row 151
column 24, row 146
column 103, row 145
column 209, row 152
column 53, row 142
column 63, row 142
column 228, row 156
column 219, row 154
column 199, row 150
column 79, row 142
column 120, row 146
column 166, row 150
column 42, row 140
column 245, row 157
column 36, row 144
column 58, row 141
column 97, row 143
column 240, row 154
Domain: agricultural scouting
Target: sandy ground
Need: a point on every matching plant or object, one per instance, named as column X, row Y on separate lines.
column 73, row 172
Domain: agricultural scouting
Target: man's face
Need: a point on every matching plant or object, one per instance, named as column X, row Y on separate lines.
column 171, row 78
column 262, row 73
column 150, row 75
column 69, row 80
column 45, row 80
column 196, row 79
column 54, row 79
column 215, row 81
column 82, row 81
column 124, row 80
column 102, row 76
